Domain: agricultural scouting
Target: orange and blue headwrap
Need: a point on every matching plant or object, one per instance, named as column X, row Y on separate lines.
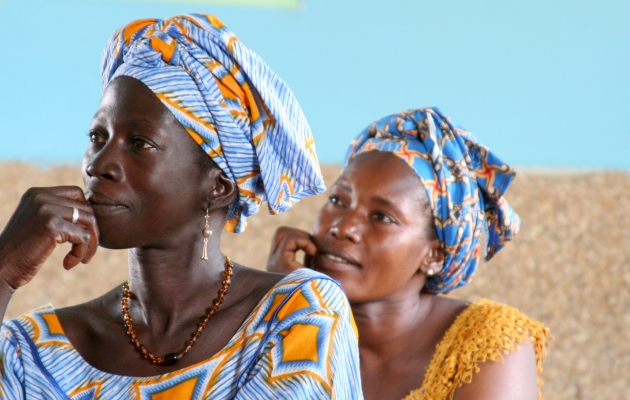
column 464, row 181
column 229, row 101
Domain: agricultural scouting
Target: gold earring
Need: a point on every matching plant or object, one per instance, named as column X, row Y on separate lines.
column 206, row 234
column 430, row 272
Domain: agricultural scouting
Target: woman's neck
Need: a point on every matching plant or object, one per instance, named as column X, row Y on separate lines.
column 387, row 326
column 174, row 282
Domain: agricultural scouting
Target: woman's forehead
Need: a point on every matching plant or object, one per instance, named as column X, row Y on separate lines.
column 381, row 175
column 380, row 164
column 132, row 101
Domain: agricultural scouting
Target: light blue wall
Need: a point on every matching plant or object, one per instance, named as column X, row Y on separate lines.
column 543, row 83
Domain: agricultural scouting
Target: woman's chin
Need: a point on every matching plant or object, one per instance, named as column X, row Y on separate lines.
column 115, row 239
column 344, row 276
column 113, row 244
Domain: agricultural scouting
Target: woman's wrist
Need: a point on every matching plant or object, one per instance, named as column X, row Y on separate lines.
column 6, row 285
column 6, row 292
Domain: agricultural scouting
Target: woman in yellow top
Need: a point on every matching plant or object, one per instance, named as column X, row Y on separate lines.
column 402, row 225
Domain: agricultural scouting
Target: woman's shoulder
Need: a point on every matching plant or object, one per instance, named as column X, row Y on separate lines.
column 300, row 293
column 306, row 277
column 319, row 290
column 495, row 316
column 40, row 323
column 486, row 329
column 483, row 331
column 33, row 329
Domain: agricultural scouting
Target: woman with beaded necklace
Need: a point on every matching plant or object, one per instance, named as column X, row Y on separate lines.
column 194, row 132
column 402, row 225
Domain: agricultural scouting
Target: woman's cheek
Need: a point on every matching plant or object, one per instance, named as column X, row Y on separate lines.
column 321, row 225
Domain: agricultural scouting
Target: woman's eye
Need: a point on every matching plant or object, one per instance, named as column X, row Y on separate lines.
column 383, row 218
column 141, row 144
column 334, row 200
column 96, row 137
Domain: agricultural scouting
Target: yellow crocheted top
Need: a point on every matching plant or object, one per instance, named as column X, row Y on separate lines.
column 482, row 332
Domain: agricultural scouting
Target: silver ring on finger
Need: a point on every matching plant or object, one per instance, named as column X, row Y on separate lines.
column 75, row 215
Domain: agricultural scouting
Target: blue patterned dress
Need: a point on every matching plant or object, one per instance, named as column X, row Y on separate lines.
column 300, row 342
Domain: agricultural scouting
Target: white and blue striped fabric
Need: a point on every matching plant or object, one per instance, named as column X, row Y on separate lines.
column 299, row 343
column 230, row 102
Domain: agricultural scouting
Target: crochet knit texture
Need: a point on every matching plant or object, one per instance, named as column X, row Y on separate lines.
column 484, row 331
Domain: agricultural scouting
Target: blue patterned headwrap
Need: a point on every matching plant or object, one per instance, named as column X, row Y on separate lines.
column 229, row 101
column 464, row 181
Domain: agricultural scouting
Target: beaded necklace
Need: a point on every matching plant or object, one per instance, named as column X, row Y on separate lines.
column 172, row 358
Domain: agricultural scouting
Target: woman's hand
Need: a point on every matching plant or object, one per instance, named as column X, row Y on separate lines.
column 284, row 246
column 42, row 220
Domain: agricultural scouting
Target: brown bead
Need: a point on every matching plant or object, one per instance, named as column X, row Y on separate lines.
column 170, row 359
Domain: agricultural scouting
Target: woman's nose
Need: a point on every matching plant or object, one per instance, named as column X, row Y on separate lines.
column 346, row 227
column 105, row 163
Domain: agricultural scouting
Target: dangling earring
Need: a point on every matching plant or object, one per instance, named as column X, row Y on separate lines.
column 430, row 272
column 206, row 234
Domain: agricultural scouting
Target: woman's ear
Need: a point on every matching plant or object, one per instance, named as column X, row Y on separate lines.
column 434, row 261
column 221, row 191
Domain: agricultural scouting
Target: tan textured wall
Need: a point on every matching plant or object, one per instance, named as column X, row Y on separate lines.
column 569, row 267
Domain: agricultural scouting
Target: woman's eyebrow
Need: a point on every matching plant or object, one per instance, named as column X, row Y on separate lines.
column 98, row 114
column 385, row 202
column 133, row 121
column 138, row 121
column 343, row 185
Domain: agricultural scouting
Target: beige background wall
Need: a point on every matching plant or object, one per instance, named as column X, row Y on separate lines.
column 568, row 267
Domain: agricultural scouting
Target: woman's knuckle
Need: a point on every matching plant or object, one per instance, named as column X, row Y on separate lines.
column 28, row 195
column 42, row 208
column 32, row 191
column 39, row 197
column 52, row 222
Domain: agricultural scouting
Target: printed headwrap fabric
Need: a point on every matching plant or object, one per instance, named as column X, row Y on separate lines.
column 464, row 181
column 229, row 101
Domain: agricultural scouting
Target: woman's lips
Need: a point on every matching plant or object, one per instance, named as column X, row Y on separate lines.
column 101, row 202
column 336, row 259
